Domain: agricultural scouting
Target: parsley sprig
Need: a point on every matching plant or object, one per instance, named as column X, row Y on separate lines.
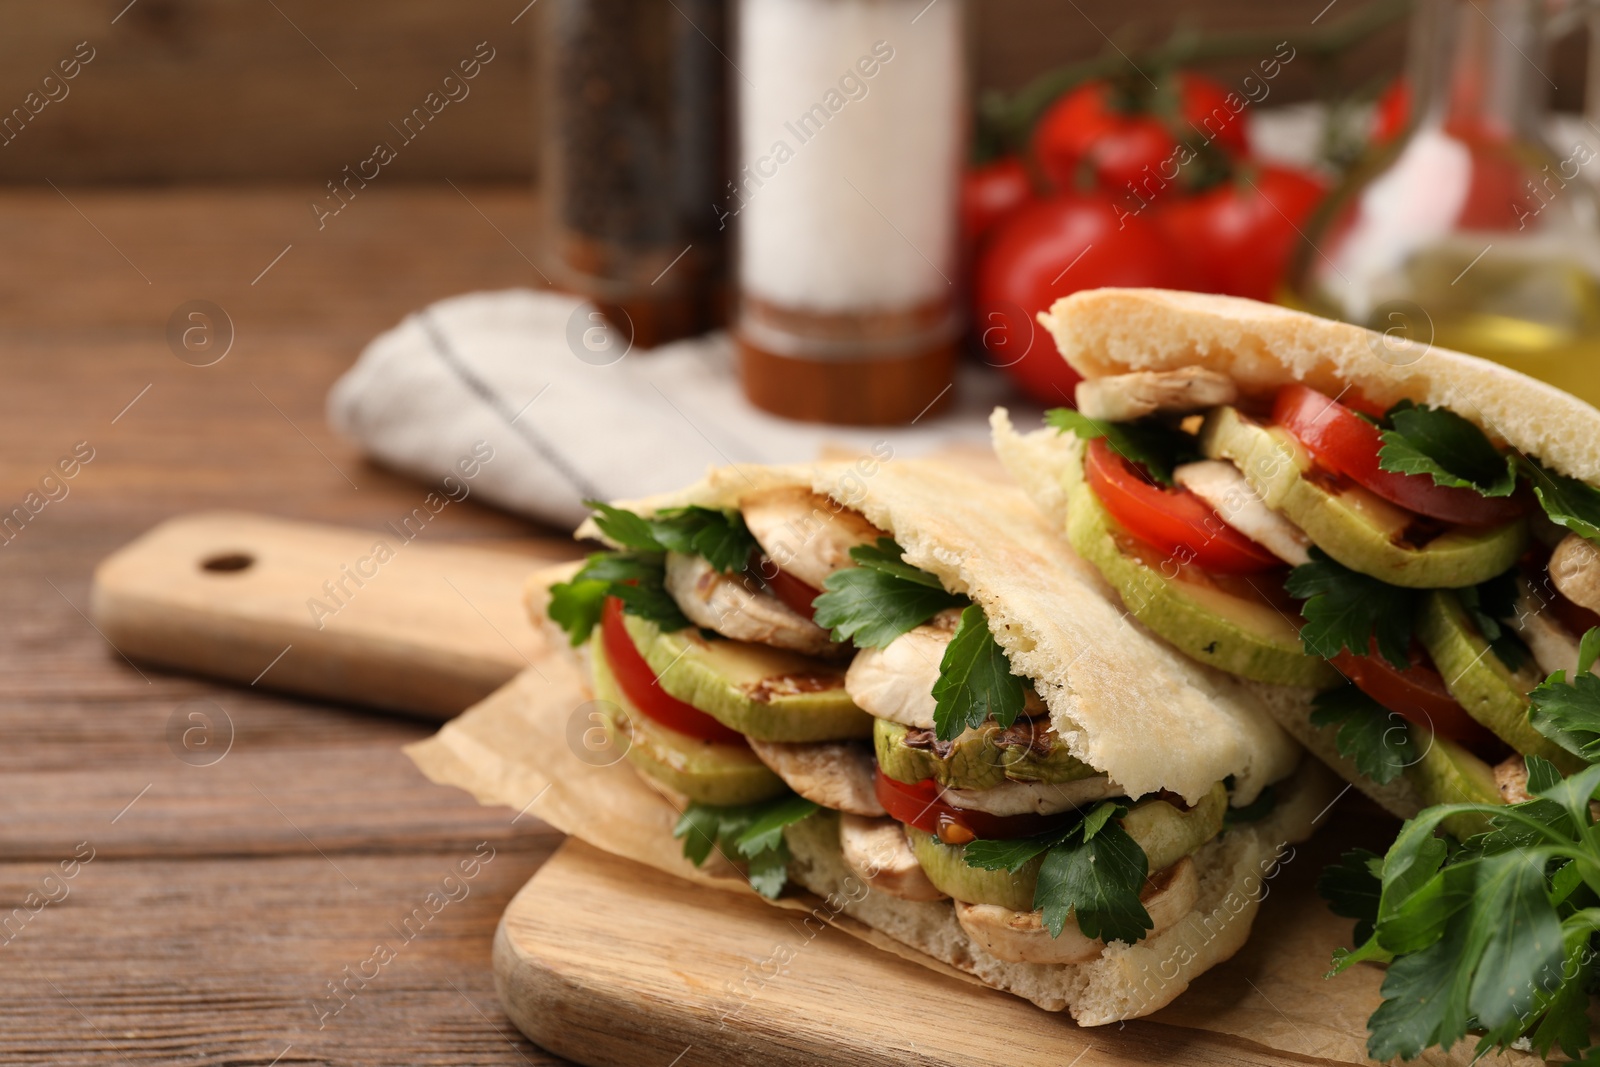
column 1454, row 452
column 636, row 574
column 752, row 832
column 1493, row 934
column 1345, row 609
column 881, row 598
column 1568, row 712
column 1092, row 870
column 1489, row 603
column 636, row 579
column 1148, row 443
column 1376, row 739
column 885, row 597
column 975, row 680
column 1567, row 501
column 720, row 536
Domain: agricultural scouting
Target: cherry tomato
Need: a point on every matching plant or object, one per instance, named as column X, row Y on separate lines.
column 1392, row 112
column 1046, row 250
column 1111, row 134
column 1239, row 234
column 638, row 683
column 922, row 805
column 990, row 193
column 1417, row 694
column 1341, row 440
column 1175, row 522
column 797, row 595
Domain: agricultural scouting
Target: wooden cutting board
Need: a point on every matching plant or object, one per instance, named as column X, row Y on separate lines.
column 611, row 963
column 365, row 617
column 607, row 962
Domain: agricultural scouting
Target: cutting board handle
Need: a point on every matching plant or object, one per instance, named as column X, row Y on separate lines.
column 379, row 618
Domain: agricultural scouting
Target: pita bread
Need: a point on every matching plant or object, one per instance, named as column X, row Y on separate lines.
column 1122, row 701
column 1126, row 981
column 1103, row 332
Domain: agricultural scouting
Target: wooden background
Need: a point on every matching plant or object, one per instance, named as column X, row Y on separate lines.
column 243, row 90
column 221, row 900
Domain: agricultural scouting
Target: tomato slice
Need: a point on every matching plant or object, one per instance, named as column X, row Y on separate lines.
column 1417, row 694
column 1175, row 522
column 1341, row 440
column 797, row 595
column 638, row 683
column 922, row 805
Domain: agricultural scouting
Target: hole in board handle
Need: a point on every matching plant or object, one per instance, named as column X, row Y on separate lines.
column 228, row 562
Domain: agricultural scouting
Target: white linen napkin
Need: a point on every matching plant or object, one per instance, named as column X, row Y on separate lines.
column 569, row 420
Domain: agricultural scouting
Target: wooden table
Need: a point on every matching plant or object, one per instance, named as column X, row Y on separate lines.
column 222, row 901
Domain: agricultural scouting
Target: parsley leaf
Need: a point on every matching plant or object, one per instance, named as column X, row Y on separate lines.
column 1352, row 888
column 575, row 607
column 876, row 602
column 975, row 680
column 719, row 536
column 886, row 557
column 766, row 830
column 1097, row 881
column 1588, row 650
column 636, row 580
column 1011, row 854
column 624, row 527
column 637, row 574
column 1567, row 501
column 1375, row 738
column 752, row 831
column 1345, row 609
column 1152, row 445
column 1491, row 935
column 1092, row 870
column 1487, row 604
column 1568, row 713
column 1444, row 445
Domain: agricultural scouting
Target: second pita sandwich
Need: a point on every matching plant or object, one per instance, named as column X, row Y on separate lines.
column 1396, row 544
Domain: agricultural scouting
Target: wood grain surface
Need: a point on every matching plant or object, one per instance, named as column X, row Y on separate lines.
column 222, row 899
column 210, row 906
column 733, row 981
column 361, row 617
column 725, row 979
column 195, row 90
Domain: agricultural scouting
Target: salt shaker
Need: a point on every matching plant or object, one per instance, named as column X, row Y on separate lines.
column 851, row 134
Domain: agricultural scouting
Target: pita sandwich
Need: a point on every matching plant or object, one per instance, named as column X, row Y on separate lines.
column 891, row 684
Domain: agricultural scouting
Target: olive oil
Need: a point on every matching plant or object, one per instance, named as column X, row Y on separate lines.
column 1471, row 232
column 1532, row 309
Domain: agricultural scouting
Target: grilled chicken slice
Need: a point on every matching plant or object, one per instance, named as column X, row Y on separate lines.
column 1220, row 484
column 878, row 852
column 896, row 682
column 805, row 534
column 1123, row 397
column 1021, row 937
column 1553, row 646
column 1034, row 798
column 835, row 774
column 737, row 607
